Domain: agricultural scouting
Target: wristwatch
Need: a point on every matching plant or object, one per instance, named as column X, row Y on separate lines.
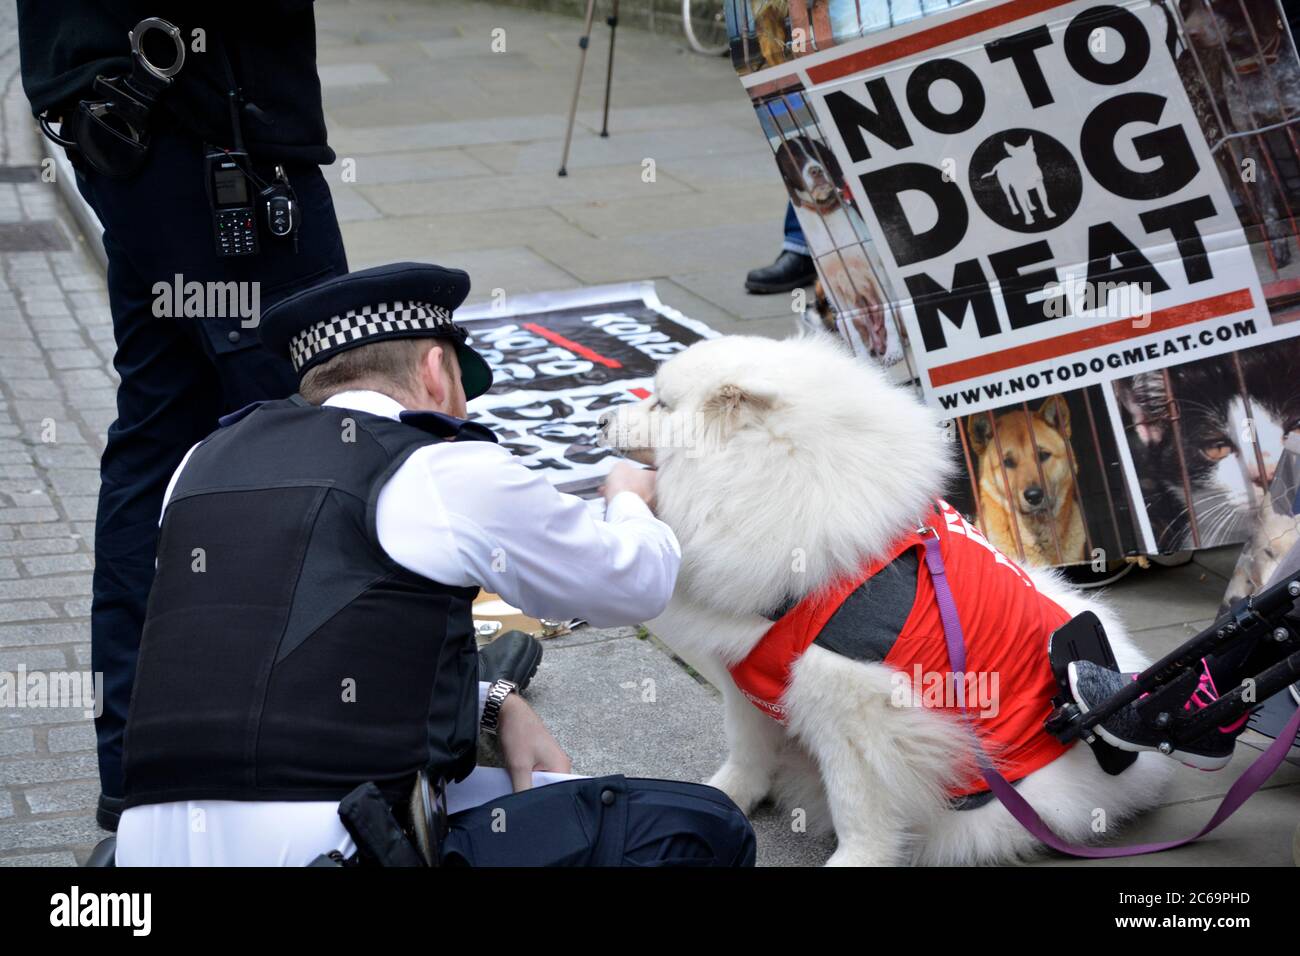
column 496, row 696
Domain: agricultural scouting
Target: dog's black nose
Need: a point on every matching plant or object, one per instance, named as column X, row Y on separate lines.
column 1034, row 495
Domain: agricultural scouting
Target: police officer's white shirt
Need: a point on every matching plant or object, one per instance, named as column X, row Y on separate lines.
column 459, row 513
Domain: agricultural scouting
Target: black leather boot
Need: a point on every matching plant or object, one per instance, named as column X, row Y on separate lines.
column 514, row 656
column 789, row 271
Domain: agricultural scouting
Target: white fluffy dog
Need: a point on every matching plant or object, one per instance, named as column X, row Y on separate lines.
column 782, row 466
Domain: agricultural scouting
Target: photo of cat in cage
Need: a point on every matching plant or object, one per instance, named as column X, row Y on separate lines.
column 1277, row 529
column 1206, row 438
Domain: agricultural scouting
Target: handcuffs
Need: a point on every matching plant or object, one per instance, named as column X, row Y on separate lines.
column 112, row 135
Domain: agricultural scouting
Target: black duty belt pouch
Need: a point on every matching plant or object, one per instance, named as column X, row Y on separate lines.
column 380, row 839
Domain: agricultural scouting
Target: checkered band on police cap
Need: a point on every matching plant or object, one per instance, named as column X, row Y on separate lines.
column 356, row 324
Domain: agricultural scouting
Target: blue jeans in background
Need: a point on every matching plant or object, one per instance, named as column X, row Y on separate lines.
column 794, row 239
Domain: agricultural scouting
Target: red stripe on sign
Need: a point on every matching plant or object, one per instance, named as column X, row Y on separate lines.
column 641, row 393
column 924, row 40
column 1171, row 318
column 575, row 347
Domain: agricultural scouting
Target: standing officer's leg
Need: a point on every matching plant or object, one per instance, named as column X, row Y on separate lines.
column 178, row 375
column 167, row 400
column 603, row 821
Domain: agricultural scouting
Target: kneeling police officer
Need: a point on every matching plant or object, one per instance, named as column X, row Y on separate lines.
column 309, row 680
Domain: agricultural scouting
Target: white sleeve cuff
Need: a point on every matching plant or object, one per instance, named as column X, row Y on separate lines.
column 625, row 505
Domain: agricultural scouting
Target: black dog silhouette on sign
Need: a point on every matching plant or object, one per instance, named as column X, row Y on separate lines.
column 1018, row 175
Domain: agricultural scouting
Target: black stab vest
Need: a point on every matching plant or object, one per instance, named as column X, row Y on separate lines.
column 285, row 656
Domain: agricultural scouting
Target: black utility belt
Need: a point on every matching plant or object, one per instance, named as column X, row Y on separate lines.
column 384, row 840
column 112, row 137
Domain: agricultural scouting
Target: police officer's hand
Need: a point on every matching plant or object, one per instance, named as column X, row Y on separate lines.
column 628, row 477
column 527, row 745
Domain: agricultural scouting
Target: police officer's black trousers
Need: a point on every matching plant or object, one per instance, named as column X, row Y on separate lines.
column 178, row 374
column 603, row 821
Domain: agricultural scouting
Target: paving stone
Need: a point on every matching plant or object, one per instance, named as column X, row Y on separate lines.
column 585, row 634
column 58, row 832
column 62, row 797
column 75, row 358
column 624, row 707
column 1259, row 834
column 13, row 742
column 45, row 587
column 80, row 507
column 1159, row 596
column 60, row 858
column 60, row 632
column 75, row 737
column 44, row 659
column 350, row 74
column 50, row 530
column 79, row 607
column 40, row 717
column 417, row 166
column 518, row 191
column 58, row 456
column 62, row 340
column 58, row 564
column 50, row 769
column 25, row 611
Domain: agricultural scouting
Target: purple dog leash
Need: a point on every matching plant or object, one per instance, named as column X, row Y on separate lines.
column 1246, row 785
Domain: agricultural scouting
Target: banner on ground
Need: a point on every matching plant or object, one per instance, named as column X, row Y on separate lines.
column 560, row 359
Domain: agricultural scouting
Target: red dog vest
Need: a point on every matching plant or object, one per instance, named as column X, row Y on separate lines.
column 1006, row 621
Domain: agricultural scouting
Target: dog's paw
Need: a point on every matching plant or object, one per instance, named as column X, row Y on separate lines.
column 746, row 788
column 855, row 856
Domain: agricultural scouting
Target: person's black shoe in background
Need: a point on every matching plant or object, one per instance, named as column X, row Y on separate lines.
column 109, row 812
column 514, row 656
column 789, row 271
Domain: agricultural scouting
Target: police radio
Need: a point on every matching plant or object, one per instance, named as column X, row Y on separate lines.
column 239, row 198
column 230, row 196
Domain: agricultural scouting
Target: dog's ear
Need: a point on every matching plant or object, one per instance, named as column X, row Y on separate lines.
column 1056, row 413
column 981, row 432
column 732, row 407
column 787, row 165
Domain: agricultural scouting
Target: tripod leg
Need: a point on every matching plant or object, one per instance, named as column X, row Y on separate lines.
column 583, row 43
column 609, row 68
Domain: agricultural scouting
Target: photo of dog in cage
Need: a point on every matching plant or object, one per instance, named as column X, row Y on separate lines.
column 1205, row 439
column 851, row 296
column 760, row 32
column 1044, row 483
